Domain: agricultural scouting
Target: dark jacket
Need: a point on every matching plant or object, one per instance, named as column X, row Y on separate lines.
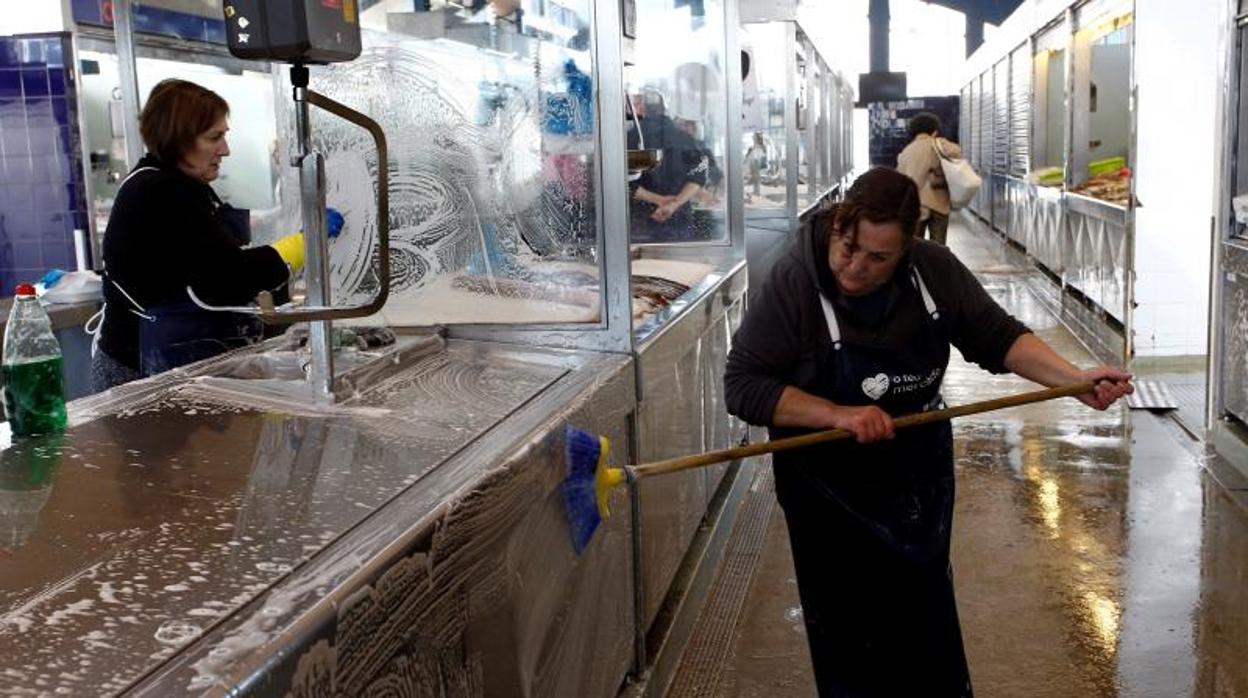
column 784, row 340
column 684, row 158
column 163, row 235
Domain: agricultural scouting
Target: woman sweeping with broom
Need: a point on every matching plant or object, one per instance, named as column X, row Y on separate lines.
column 853, row 327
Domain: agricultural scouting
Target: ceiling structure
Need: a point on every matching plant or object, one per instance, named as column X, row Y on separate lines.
column 881, row 85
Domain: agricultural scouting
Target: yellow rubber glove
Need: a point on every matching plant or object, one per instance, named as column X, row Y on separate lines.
column 290, row 248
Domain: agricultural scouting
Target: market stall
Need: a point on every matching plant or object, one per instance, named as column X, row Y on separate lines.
column 1072, row 120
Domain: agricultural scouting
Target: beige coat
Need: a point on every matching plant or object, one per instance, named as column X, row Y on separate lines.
column 919, row 162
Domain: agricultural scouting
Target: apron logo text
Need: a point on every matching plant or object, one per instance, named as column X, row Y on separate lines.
column 875, row 387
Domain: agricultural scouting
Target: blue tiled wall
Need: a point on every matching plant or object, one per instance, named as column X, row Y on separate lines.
column 42, row 191
column 154, row 20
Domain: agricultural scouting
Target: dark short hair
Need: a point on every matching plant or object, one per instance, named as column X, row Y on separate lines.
column 923, row 122
column 881, row 195
column 176, row 113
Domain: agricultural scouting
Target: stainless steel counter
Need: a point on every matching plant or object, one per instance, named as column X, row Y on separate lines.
column 199, row 534
column 179, row 539
column 680, row 364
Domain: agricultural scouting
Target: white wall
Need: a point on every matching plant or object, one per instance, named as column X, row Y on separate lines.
column 246, row 174
column 31, row 16
column 1176, row 67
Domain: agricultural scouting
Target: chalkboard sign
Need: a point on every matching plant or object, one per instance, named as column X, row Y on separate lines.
column 887, row 124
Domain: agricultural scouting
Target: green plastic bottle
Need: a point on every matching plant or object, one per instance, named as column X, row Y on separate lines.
column 34, row 383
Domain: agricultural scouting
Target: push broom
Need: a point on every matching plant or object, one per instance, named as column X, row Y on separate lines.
column 587, row 487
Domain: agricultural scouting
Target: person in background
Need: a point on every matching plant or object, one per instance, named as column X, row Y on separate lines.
column 169, row 232
column 662, row 199
column 854, row 327
column 920, row 161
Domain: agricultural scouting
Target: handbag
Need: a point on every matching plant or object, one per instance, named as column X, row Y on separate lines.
column 960, row 178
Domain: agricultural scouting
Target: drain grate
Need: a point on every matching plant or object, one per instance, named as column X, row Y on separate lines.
column 1151, row 395
column 711, row 641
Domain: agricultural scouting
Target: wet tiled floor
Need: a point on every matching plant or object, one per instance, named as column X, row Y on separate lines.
column 1094, row 553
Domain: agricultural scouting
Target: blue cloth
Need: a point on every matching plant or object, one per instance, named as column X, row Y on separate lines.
column 333, row 222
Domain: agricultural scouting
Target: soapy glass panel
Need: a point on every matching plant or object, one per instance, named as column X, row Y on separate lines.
column 248, row 176
column 763, row 134
column 491, row 134
column 676, row 87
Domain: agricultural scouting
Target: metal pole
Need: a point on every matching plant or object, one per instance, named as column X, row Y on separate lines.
column 1068, row 133
column 733, row 177
column 791, row 154
column 1224, row 189
column 316, row 248
column 128, row 73
column 95, row 244
column 611, row 173
column 974, row 33
column 812, row 153
column 640, row 659
column 878, row 16
column 1128, row 301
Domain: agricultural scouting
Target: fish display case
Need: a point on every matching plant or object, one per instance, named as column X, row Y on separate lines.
column 202, row 531
column 797, row 116
column 1072, row 127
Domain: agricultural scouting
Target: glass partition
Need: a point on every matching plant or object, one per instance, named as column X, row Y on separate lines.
column 763, row 132
column 677, row 95
column 492, row 138
column 1048, row 152
column 1104, row 105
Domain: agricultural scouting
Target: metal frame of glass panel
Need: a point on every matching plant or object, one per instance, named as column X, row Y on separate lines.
column 1227, row 406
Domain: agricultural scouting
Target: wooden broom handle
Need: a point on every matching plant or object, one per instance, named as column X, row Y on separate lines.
column 672, row 465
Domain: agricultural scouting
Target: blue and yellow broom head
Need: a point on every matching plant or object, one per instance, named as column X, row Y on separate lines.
column 584, row 494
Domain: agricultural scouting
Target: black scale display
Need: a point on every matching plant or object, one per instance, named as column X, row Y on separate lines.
column 293, row 31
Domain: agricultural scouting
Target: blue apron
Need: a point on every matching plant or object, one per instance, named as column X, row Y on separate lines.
column 870, row 526
column 177, row 334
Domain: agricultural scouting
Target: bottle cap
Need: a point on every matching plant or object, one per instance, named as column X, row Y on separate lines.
column 25, row 289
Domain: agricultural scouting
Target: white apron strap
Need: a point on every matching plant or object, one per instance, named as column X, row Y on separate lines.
column 829, row 316
column 146, row 168
column 928, row 303
column 137, row 309
column 834, row 327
